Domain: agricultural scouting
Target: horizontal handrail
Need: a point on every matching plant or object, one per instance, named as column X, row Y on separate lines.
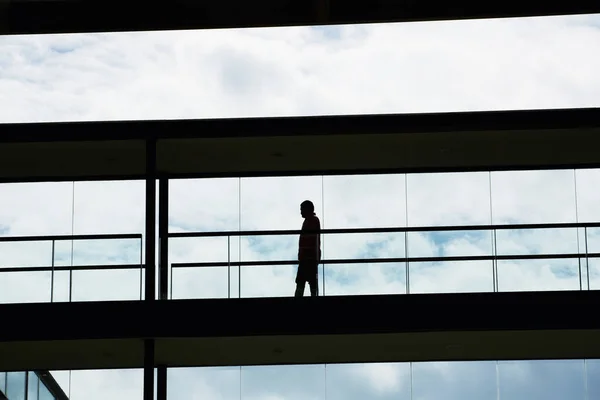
column 108, row 236
column 392, row 260
column 454, row 228
column 71, row 268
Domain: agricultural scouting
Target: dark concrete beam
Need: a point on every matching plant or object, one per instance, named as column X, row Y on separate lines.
column 466, row 141
column 74, row 16
column 268, row 331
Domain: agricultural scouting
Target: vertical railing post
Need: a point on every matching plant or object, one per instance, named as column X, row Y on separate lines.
column 228, row 266
column 141, row 269
column 163, row 232
column 52, row 273
column 587, row 259
column 495, row 261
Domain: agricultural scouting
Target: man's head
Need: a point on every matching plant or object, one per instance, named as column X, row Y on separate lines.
column 307, row 208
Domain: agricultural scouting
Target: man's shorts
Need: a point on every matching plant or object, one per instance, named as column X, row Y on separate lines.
column 307, row 271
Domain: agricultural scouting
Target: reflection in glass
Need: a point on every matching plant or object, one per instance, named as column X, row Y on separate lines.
column 365, row 245
column 41, row 208
column 385, row 381
column 592, row 381
column 25, row 287
column 205, row 205
column 109, row 207
column 541, row 379
column 283, row 382
column 364, row 201
column 106, row 285
column 450, row 243
column 45, row 393
column 487, row 380
column 588, row 197
column 451, row 277
column 456, row 380
column 537, row 241
column 441, row 199
column 520, row 197
column 365, row 279
column 199, row 283
column 274, row 202
column 32, row 386
column 15, row 385
column 221, row 383
column 269, row 248
column 3, row 382
column 268, row 281
column 538, row 275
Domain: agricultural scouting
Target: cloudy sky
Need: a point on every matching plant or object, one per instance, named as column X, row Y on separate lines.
column 418, row 67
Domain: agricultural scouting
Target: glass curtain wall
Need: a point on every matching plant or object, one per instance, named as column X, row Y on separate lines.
column 434, row 200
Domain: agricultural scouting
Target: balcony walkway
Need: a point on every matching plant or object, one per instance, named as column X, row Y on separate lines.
column 434, row 327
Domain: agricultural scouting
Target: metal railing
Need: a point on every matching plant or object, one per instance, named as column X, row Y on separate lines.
column 493, row 256
column 53, row 239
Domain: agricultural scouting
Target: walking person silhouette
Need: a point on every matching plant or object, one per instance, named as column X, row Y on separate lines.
column 309, row 251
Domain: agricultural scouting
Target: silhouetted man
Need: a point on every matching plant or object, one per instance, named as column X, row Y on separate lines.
column 309, row 250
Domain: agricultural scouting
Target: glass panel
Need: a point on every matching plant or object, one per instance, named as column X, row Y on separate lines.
column 283, row 382
column 270, row 248
column 35, row 208
column 592, row 270
column 363, row 201
column 109, row 207
column 451, row 243
column 547, row 380
column 274, row 203
column 451, row 277
column 45, row 393
column 2, row 382
column 520, row 197
column 205, row 205
column 365, row 279
column 537, row 241
column 385, row 381
column 26, row 254
column 592, row 369
column 209, row 383
column 32, row 386
column 24, row 287
column 104, row 252
column 126, row 384
column 443, row 199
column 199, row 283
column 106, row 285
column 365, row 245
column 454, row 380
column 15, row 385
column 268, row 281
column 588, row 198
column 538, row 275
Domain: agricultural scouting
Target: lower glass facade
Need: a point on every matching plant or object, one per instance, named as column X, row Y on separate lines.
column 29, row 385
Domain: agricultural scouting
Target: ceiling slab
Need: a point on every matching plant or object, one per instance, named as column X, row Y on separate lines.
column 530, row 139
column 76, row 16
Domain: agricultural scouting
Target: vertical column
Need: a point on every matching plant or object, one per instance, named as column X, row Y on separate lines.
column 150, row 235
column 163, row 270
column 150, row 264
column 163, row 231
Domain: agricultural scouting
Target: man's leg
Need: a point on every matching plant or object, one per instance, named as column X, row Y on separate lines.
column 314, row 286
column 300, row 288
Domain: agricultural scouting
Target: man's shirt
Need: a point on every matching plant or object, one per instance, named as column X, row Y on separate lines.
column 309, row 246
